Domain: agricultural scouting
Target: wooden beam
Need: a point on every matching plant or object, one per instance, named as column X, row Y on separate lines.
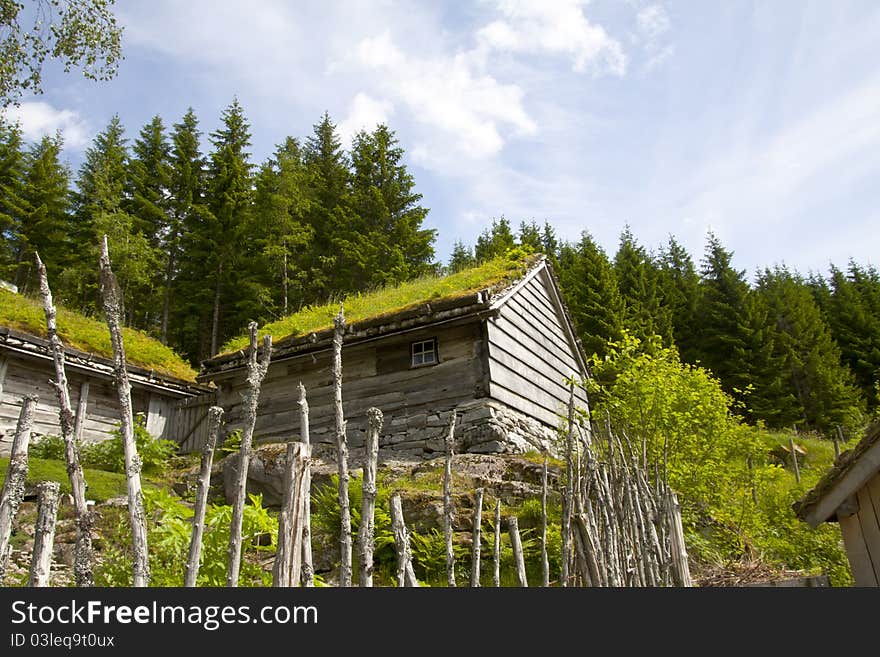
column 857, row 552
column 81, row 410
column 858, row 474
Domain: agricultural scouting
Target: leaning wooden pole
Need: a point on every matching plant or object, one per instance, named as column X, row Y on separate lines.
column 516, row 544
column 680, row 568
column 341, row 454
column 448, row 512
column 545, row 561
column 82, row 559
column 567, row 501
column 496, row 575
column 368, row 500
column 112, row 297
column 405, row 574
column 13, row 486
column 256, row 371
column 215, row 416
column 287, row 570
column 308, row 569
column 44, row 533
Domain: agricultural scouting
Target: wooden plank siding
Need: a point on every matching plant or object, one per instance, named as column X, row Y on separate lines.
column 376, row 373
column 101, row 408
column 531, row 354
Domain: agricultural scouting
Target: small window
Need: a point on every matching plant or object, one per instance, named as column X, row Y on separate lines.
column 424, row 352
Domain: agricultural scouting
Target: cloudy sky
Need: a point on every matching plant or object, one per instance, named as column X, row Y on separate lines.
column 759, row 121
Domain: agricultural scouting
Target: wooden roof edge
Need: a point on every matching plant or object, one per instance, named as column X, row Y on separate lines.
column 85, row 360
column 477, row 304
column 851, row 470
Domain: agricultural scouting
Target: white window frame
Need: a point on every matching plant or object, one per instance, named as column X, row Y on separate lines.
column 423, row 353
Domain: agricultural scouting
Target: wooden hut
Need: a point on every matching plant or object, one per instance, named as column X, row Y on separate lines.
column 849, row 494
column 158, row 387
column 497, row 351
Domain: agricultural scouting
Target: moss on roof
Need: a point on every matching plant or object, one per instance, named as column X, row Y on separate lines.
column 494, row 274
column 90, row 335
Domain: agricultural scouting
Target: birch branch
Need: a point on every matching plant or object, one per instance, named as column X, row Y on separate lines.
column 82, row 565
column 256, row 371
column 112, row 297
column 215, row 416
column 16, row 476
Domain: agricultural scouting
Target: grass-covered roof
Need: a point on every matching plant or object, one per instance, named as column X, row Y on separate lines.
column 493, row 274
column 91, row 335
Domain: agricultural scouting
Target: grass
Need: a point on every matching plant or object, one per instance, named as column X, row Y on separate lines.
column 392, row 299
column 92, row 336
column 100, row 485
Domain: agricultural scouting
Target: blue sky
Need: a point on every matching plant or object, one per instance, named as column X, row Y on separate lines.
column 757, row 120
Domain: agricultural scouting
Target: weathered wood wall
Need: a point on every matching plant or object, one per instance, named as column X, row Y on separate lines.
column 23, row 375
column 377, row 373
column 530, row 354
column 861, row 533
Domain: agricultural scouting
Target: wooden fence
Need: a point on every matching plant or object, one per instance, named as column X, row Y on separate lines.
column 188, row 425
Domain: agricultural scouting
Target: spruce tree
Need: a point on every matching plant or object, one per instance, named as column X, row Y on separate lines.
column 679, row 287
column 12, row 205
column 462, row 257
column 589, row 286
column 494, row 241
column 46, row 224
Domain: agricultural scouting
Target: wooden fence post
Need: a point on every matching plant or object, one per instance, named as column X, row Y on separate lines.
column 447, row 504
column 13, row 486
column 794, row 459
column 567, row 501
column 256, row 371
column 215, row 416
column 308, row 570
column 82, row 566
column 516, row 543
column 496, row 577
column 341, row 454
column 680, row 569
column 368, row 498
column 545, row 561
column 287, row 570
column 405, row 574
column 475, row 542
column 112, row 297
column 44, row 534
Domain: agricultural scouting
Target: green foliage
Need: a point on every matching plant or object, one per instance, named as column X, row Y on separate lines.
column 232, row 443
column 109, row 454
column 169, row 528
column 736, row 497
column 76, row 33
column 47, row 447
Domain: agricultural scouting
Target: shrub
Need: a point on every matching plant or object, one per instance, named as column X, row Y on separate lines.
column 48, row 447
column 109, row 454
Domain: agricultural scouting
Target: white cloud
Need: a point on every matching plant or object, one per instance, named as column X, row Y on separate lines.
column 560, row 27
column 653, row 22
column 365, row 114
column 449, row 94
column 38, row 119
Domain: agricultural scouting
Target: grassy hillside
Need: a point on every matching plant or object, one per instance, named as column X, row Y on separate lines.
column 92, row 335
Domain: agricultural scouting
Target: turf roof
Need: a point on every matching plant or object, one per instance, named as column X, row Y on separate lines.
column 494, row 274
column 91, row 335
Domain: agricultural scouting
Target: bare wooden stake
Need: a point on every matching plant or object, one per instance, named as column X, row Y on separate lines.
column 681, row 570
column 287, row 570
column 308, row 569
column 82, row 564
column 215, row 416
column 368, row 500
column 496, row 577
column 13, row 486
column 448, row 512
column 567, row 501
column 545, row 561
column 405, row 574
column 341, row 454
column 794, row 459
column 44, row 534
column 475, row 543
column 256, row 371
column 112, row 297
column 516, row 544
